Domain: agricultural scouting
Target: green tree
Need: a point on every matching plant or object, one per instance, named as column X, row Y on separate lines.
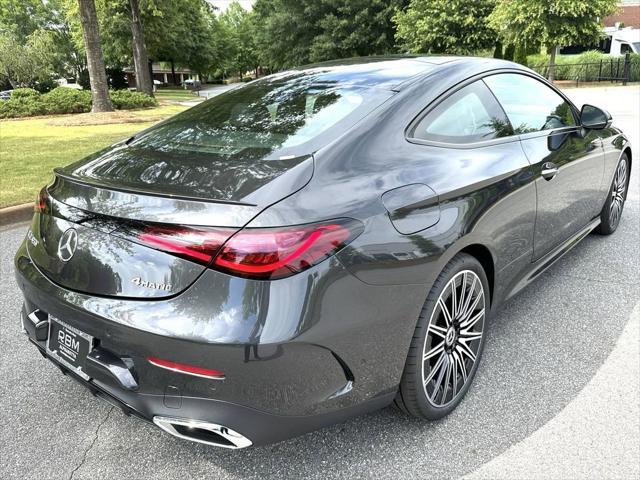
column 201, row 38
column 551, row 22
column 356, row 28
column 238, row 29
column 22, row 18
column 446, row 26
column 286, row 32
column 295, row 32
column 28, row 63
column 183, row 33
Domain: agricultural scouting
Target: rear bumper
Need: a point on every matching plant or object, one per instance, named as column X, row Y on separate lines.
column 330, row 369
column 254, row 426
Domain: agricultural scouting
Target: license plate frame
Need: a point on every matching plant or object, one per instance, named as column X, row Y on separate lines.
column 74, row 349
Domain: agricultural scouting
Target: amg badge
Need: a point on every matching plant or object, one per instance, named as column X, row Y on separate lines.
column 155, row 286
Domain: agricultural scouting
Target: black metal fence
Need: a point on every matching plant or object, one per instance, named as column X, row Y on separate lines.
column 615, row 69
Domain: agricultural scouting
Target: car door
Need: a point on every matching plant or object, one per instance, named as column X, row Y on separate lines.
column 567, row 161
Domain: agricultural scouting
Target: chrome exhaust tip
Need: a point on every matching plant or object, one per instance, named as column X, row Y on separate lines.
column 202, row 432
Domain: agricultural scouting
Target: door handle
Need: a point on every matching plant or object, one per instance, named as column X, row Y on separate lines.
column 549, row 170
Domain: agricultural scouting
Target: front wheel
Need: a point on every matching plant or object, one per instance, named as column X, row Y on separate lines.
column 448, row 341
column 613, row 206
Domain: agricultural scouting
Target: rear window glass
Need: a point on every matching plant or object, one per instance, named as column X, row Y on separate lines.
column 235, row 143
column 262, row 118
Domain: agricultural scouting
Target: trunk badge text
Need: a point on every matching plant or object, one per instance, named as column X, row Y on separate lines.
column 32, row 238
column 67, row 245
column 155, row 286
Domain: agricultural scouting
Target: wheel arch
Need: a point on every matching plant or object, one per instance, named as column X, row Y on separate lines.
column 627, row 150
column 483, row 255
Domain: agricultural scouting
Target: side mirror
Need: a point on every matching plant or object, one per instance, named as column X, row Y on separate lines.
column 594, row 118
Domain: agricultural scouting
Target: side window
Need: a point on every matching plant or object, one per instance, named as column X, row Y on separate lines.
column 530, row 104
column 471, row 114
column 625, row 48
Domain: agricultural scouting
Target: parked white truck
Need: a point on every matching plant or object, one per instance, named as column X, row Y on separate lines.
column 626, row 40
column 616, row 41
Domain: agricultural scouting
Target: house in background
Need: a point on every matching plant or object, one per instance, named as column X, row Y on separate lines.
column 628, row 15
column 162, row 73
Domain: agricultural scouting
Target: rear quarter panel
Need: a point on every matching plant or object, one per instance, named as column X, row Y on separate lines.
column 614, row 143
column 486, row 195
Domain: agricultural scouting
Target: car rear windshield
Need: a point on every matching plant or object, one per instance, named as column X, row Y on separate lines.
column 233, row 144
column 266, row 118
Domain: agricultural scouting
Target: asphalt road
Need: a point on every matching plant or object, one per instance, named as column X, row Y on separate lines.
column 556, row 393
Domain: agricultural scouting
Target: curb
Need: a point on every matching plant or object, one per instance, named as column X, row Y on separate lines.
column 16, row 214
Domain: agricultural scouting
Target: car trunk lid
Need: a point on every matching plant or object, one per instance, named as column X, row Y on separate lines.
column 104, row 241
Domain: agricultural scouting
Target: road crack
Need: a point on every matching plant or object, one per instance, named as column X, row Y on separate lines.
column 93, row 442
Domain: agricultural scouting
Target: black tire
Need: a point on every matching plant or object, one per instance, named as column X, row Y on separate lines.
column 419, row 398
column 617, row 195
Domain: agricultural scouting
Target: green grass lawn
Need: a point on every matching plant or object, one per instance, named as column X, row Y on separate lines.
column 175, row 95
column 31, row 148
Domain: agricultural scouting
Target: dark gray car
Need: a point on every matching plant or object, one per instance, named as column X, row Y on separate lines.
column 314, row 244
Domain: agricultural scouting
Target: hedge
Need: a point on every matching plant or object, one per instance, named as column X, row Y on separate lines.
column 67, row 100
column 586, row 66
column 22, row 106
column 24, row 93
column 26, row 102
column 128, row 100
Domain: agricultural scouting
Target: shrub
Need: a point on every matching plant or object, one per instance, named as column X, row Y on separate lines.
column 24, row 93
column 67, row 100
column 128, row 100
column 22, row 106
column 26, row 102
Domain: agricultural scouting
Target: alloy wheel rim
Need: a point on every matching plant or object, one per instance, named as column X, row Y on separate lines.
column 617, row 193
column 454, row 336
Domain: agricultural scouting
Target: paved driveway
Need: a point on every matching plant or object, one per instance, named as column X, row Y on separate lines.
column 556, row 394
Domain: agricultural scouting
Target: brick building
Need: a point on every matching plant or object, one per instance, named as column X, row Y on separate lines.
column 629, row 15
column 162, row 73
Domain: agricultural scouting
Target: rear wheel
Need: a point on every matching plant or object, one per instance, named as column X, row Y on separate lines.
column 613, row 206
column 448, row 341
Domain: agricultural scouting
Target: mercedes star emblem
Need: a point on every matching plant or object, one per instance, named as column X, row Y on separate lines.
column 67, row 245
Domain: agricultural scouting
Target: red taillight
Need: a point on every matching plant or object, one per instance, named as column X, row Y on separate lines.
column 198, row 245
column 41, row 201
column 271, row 253
column 187, row 369
column 260, row 253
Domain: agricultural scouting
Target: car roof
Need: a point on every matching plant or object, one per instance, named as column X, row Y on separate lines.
column 389, row 72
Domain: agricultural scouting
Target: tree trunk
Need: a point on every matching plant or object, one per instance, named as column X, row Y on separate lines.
column 173, row 73
column 144, row 83
column 552, row 64
column 95, row 61
column 497, row 51
column 150, row 70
